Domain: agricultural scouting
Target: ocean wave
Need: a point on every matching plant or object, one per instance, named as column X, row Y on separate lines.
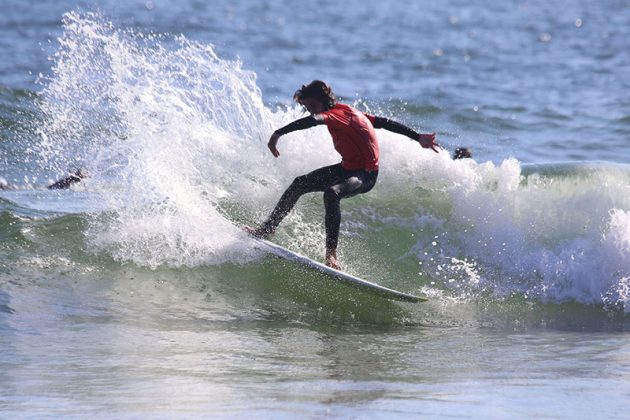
column 175, row 139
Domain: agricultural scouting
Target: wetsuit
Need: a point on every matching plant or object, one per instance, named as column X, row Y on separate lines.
column 354, row 138
column 65, row 182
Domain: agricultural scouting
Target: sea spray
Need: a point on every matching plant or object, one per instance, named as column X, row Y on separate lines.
column 170, row 133
column 175, row 140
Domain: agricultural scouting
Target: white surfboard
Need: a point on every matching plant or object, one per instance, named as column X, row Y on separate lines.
column 346, row 278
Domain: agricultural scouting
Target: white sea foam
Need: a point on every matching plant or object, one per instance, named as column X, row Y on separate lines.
column 173, row 131
column 175, row 138
column 549, row 237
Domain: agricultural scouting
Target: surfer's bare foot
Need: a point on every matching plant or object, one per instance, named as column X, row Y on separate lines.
column 260, row 233
column 331, row 259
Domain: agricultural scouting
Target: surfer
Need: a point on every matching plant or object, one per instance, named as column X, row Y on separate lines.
column 462, row 153
column 354, row 138
column 67, row 181
column 61, row 184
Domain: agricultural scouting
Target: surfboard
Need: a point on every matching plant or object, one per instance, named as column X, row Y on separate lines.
column 337, row 275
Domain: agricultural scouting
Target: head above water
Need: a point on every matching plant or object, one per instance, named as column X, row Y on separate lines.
column 462, row 153
column 317, row 97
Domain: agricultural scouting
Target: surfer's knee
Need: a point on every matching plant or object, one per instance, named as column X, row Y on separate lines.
column 299, row 183
column 331, row 196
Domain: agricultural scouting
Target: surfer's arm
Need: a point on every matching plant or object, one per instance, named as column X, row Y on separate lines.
column 301, row 124
column 426, row 140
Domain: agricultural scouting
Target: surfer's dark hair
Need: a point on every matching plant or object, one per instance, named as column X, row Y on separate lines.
column 317, row 90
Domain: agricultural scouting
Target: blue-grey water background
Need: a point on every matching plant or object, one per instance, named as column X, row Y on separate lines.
column 133, row 294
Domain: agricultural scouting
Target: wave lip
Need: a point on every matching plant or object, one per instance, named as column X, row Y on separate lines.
column 557, row 233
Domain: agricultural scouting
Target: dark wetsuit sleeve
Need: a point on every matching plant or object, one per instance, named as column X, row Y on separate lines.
column 301, row 124
column 393, row 126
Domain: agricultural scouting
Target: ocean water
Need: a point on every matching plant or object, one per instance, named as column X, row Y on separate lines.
column 133, row 294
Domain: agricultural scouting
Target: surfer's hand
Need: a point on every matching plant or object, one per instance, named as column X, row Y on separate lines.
column 273, row 141
column 427, row 141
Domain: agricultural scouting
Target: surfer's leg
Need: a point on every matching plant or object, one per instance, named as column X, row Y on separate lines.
column 332, row 198
column 318, row 180
column 355, row 183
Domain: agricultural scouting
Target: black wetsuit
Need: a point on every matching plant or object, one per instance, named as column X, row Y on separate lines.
column 335, row 181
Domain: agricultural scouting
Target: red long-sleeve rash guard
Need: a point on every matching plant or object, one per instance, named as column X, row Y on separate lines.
column 353, row 136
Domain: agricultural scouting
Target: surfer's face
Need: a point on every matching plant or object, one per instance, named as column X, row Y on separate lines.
column 313, row 105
